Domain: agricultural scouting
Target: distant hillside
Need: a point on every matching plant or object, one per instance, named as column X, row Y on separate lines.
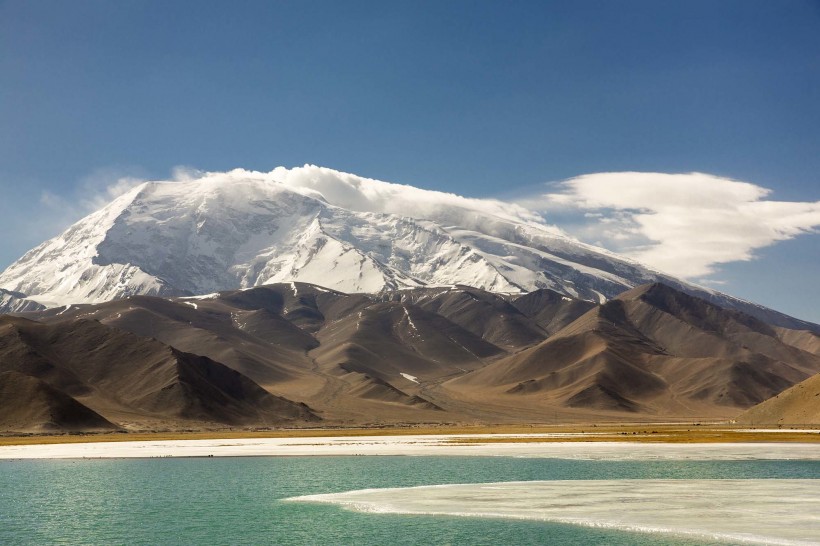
column 798, row 405
column 78, row 370
column 28, row 404
column 292, row 354
column 653, row 350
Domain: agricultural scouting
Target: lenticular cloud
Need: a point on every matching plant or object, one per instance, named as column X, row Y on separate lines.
column 368, row 195
column 683, row 224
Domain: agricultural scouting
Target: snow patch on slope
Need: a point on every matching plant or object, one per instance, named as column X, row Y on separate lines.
column 409, row 377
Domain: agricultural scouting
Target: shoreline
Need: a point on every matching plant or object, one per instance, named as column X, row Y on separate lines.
column 629, row 432
column 559, row 445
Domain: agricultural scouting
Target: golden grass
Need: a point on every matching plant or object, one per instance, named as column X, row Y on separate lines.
column 682, row 436
column 671, row 433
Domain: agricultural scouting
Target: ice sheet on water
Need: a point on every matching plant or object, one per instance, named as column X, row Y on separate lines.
column 740, row 511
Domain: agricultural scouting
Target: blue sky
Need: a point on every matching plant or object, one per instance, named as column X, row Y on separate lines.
column 485, row 99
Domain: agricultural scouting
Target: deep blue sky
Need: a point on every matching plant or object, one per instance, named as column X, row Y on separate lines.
column 477, row 98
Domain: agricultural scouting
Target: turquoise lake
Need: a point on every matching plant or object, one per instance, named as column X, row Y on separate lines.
column 239, row 500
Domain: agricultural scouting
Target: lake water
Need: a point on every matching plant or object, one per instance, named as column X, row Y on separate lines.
column 240, row 500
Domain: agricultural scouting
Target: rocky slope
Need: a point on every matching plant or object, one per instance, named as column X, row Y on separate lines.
column 798, row 405
column 79, row 368
column 253, row 357
column 652, row 350
column 31, row 405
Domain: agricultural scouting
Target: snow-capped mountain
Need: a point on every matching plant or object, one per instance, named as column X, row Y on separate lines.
column 15, row 302
column 241, row 229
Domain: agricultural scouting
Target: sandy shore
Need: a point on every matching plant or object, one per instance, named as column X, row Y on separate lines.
column 544, row 445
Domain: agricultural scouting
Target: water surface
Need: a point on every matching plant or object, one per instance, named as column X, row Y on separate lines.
column 239, row 500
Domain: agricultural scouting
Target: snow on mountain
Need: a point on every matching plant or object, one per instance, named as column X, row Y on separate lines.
column 15, row 302
column 242, row 228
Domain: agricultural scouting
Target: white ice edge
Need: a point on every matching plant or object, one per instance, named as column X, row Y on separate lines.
column 765, row 511
column 419, row 445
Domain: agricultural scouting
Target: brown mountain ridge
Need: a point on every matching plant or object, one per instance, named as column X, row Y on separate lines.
column 797, row 405
column 293, row 353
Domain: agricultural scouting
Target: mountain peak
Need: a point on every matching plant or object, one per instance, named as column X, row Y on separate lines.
column 239, row 229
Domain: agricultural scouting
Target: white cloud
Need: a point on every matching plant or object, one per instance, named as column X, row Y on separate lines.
column 368, row 195
column 185, row 173
column 684, row 224
column 91, row 193
column 337, row 188
column 104, row 185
